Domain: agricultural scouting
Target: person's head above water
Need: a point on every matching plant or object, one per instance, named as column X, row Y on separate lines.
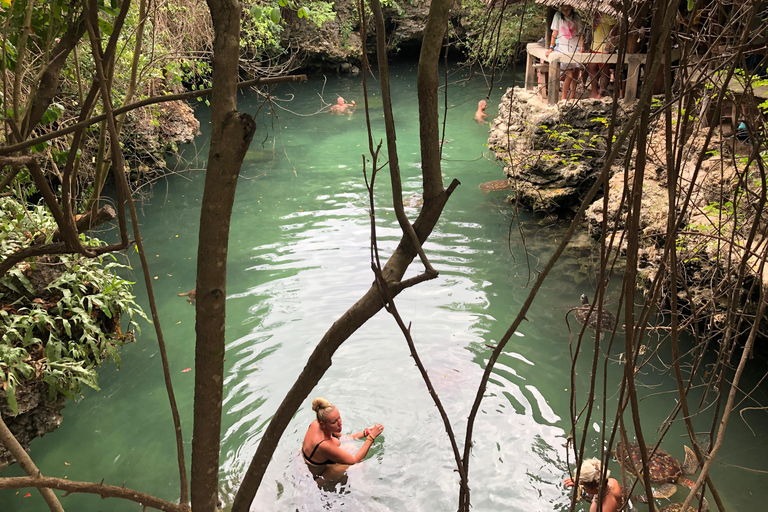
column 328, row 415
column 482, row 104
column 340, row 102
column 321, row 406
column 591, row 472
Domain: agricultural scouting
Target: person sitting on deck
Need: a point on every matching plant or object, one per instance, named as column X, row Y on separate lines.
column 321, row 446
column 589, row 482
column 480, row 115
column 567, row 38
column 342, row 107
column 603, row 28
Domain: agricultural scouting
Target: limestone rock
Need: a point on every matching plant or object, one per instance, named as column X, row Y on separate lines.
column 653, row 213
column 37, row 416
column 553, row 154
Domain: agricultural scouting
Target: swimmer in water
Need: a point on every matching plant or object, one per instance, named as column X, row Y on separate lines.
column 480, row 115
column 321, row 446
column 342, row 107
column 589, row 481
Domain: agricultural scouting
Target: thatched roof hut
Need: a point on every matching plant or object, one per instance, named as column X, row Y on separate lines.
column 584, row 6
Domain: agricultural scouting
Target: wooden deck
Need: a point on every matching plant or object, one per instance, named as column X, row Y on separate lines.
column 732, row 109
column 552, row 70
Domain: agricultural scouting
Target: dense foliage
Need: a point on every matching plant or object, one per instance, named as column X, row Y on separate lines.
column 59, row 315
column 497, row 34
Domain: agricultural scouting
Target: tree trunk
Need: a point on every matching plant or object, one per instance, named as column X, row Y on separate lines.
column 231, row 134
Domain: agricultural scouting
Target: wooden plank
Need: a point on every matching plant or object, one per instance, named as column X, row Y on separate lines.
column 540, row 52
column 553, row 82
column 530, row 72
column 633, row 75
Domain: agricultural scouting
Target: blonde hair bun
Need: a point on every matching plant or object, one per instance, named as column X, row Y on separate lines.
column 322, row 407
column 320, row 403
column 592, row 471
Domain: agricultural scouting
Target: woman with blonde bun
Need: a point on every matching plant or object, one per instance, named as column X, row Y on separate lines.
column 321, row 446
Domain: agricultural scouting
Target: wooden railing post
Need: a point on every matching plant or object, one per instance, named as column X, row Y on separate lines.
column 553, row 84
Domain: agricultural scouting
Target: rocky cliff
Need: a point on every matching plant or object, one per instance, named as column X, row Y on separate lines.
column 337, row 44
column 37, row 416
column 553, row 155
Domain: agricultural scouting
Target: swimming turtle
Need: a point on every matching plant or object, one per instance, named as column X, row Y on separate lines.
column 490, row 186
column 607, row 319
column 678, row 507
column 413, row 201
column 664, row 469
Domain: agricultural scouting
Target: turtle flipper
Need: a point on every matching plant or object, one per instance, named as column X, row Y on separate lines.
column 665, row 491
column 691, row 464
column 686, row 482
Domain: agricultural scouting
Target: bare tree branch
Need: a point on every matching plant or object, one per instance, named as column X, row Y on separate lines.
column 12, row 445
column 105, row 491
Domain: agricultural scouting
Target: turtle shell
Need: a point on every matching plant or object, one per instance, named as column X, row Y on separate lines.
column 490, row 186
column 663, row 467
column 584, row 316
column 676, row 507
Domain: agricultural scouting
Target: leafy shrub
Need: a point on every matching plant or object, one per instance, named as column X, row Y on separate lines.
column 59, row 315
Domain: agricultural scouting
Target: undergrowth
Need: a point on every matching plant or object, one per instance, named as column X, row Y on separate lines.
column 59, row 314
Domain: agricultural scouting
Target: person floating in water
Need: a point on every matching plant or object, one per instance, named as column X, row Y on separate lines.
column 480, row 115
column 342, row 107
column 589, row 481
column 321, row 447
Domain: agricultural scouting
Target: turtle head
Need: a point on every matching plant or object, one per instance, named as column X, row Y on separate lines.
column 584, row 299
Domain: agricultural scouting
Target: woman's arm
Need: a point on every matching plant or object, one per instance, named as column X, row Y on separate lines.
column 552, row 42
column 358, row 435
column 340, row 456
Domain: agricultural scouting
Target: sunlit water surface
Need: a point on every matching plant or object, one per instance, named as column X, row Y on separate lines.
column 298, row 258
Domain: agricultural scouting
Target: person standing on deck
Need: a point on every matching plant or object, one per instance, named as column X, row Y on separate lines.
column 602, row 31
column 567, row 38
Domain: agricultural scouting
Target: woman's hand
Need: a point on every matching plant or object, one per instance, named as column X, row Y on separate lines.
column 549, row 50
column 375, row 430
column 568, row 482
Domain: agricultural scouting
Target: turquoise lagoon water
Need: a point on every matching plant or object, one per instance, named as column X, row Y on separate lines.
column 298, row 258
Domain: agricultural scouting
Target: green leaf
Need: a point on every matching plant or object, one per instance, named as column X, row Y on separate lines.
column 256, row 11
column 106, row 27
column 303, row 12
column 10, row 396
column 275, row 15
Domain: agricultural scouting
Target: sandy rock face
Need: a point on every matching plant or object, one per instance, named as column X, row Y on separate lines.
column 553, row 153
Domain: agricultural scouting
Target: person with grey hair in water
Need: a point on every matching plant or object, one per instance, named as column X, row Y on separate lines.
column 589, row 486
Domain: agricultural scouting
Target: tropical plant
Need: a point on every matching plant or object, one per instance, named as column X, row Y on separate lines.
column 59, row 315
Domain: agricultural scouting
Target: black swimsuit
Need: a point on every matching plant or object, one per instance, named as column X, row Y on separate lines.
column 309, row 459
